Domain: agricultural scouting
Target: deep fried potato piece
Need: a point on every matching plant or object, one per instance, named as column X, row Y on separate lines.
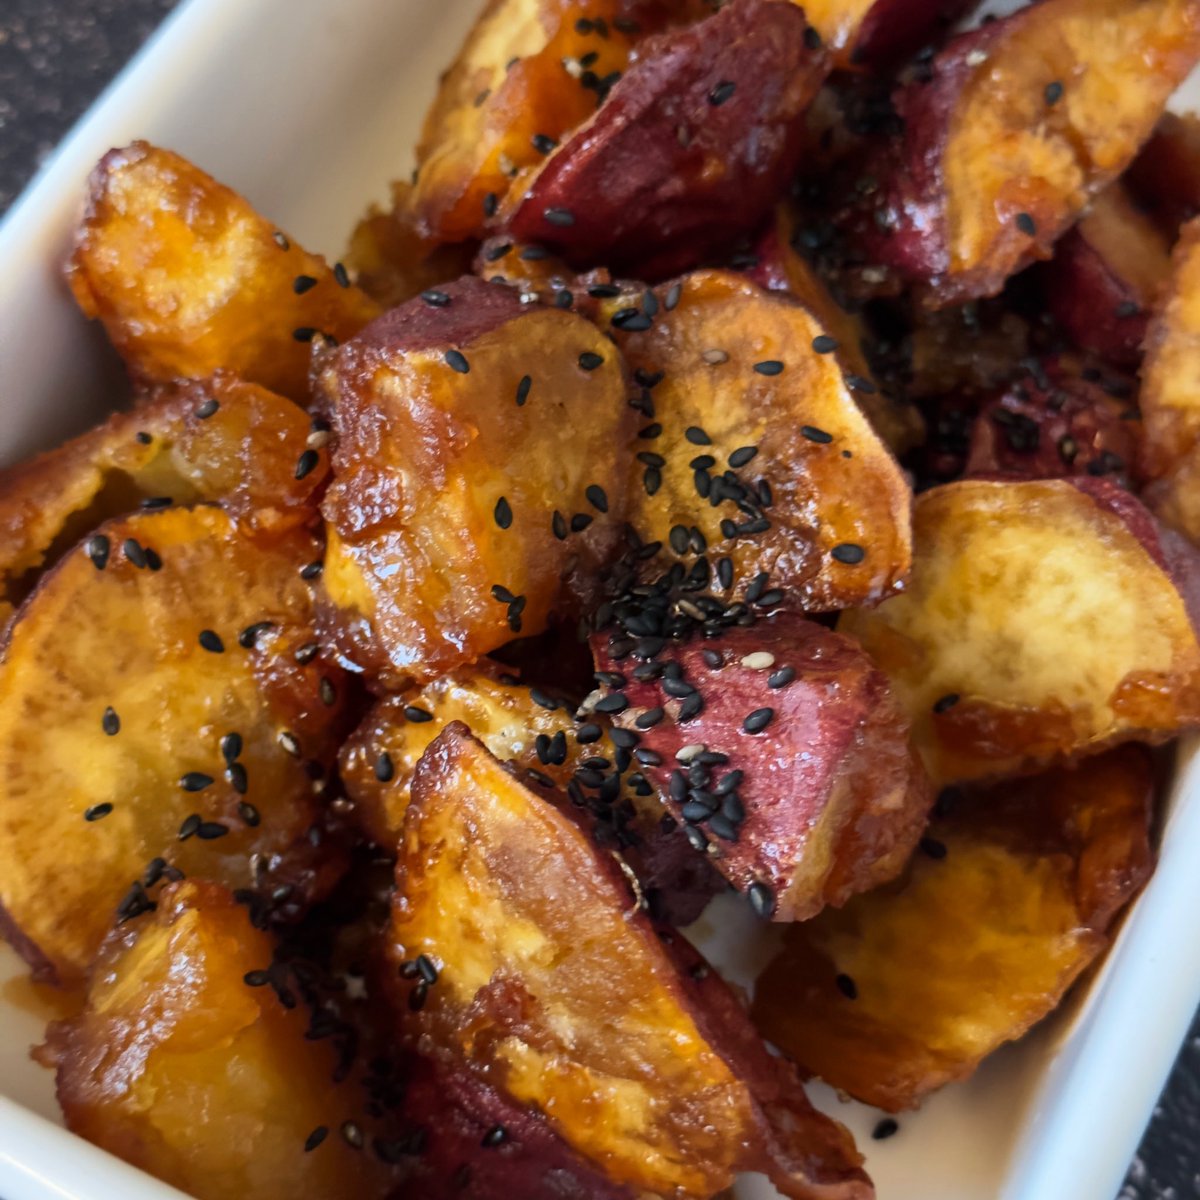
column 909, row 987
column 479, row 441
column 780, row 267
column 553, row 982
column 1025, row 120
column 180, row 1067
column 745, row 396
column 1165, row 176
column 819, row 796
column 1106, row 276
column 187, row 278
column 692, row 147
column 876, row 34
column 392, row 261
column 1042, row 620
column 535, row 730
column 1053, row 422
column 122, row 716
column 214, row 440
column 528, row 73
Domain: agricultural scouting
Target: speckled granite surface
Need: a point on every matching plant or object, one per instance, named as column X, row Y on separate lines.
column 56, row 55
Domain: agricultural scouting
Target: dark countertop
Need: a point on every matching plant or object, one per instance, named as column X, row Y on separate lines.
column 56, row 55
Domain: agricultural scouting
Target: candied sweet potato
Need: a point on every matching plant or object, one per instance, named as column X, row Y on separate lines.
column 909, row 987
column 552, row 981
column 180, row 1066
column 536, row 731
column 1165, row 176
column 1106, row 276
column 478, row 442
column 879, row 33
column 214, row 440
column 187, row 278
column 691, row 148
column 159, row 689
column 817, row 794
column 749, row 393
column 1053, row 422
column 1024, row 121
column 1042, row 620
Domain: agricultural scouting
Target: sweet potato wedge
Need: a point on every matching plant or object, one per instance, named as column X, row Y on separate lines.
column 747, row 392
column 814, row 793
column 539, row 733
column 692, row 147
column 1043, row 620
column 478, row 440
column 1024, row 121
column 1052, row 422
column 187, row 278
column 213, row 440
column 161, row 701
column 552, row 981
column 909, row 987
column 876, row 34
column 1165, row 176
column 183, row 1066
column 1106, row 276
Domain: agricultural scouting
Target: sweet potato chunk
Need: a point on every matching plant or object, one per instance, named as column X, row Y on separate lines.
column 755, row 451
column 1106, row 276
column 479, row 440
column 182, row 1068
column 816, row 794
column 159, row 687
column 1025, row 119
column 515, row 724
column 553, row 982
column 879, row 33
column 187, row 278
column 1042, row 620
column 691, row 148
column 216, row 440
column 909, row 987
column 1051, row 422
column 1165, row 176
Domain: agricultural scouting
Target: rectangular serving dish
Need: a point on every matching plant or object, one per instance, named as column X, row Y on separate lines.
column 309, row 109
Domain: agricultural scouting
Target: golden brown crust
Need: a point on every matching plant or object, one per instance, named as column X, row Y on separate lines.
column 909, row 987
column 187, row 278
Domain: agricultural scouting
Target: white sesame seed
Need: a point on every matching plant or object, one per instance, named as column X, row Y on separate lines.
column 976, row 58
column 714, row 358
column 687, row 753
column 318, row 438
column 760, row 660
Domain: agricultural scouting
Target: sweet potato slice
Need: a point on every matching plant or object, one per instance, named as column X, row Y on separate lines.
column 1024, row 121
column 755, row 451
column 216, row 440
column 795, row 774
column 1042, row 620
column 692, row 147
column 538, row 732
column 1106, row 276
column 187, row 278
column 161, row 700
column 181, row 1066
column 1052, row 422
column 553, row 982
column 1165, row 176
column 909, row 987
column 478, row 443
column 876, row 34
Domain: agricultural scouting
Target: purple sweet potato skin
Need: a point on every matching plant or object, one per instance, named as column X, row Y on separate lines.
column 894, row 30
column 671, row 170
column 834, row 799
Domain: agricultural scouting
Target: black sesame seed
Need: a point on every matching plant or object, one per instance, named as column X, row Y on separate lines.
column 649, row 432
column 340, row 275
column 713, row 658
column 758, row 720
column 588, row 733
column 769, row 366
column 97, row 549
column 558, row 525
column 490, row 200
column 302, row 283
column 722, row 827
column 781, row 678
column 856, row 383
column 543, row 143
column 742, row 456
column 501, row 593
column 134, row 552
column 304, row 333
column 889, row 1126
column 435, row 299
column 503, row 513
column 695, row 838
column 110, row 722
column 1127, row 308
column 195, row 781
column 597, row 497
column 616, row 702
column 697, row 436
column 257, row 978
column 580, row 521
column 457, row 361
column 97, row 811
column 846, row 986
column 145, row 439
column 385, row 769
column 625, row 739
column 417, row 715
column 651, row 480
column 315, row 1138
column 1026, row 224
column 671, row 300
column 561, row 217
column 812, row 39
column 235, row 773
column 589, row 360
column 496, row 1136
column 427, row 969
column 543, row 699
column 762, row 899
column 306, row 463
column 824, row 344
column 721, row 93
column 249, row 636
column 813, row 434
column 933, row 848
column 188, row 827
column 207, row 409
column 945, row 703
column 211, row 641
column 418, row 996
column 849, row 553
column 209, row 831
column 249, row 813
column 152, row 559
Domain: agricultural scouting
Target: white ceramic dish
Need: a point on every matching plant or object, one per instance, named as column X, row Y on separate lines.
column 309, row 108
